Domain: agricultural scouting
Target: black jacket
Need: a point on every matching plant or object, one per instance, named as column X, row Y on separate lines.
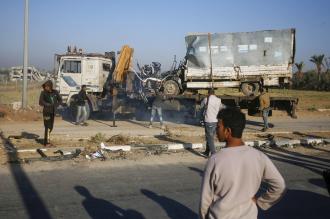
column 82, row 96
column 50, row 101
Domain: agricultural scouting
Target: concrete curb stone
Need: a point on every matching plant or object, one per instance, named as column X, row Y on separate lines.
column 180, row 146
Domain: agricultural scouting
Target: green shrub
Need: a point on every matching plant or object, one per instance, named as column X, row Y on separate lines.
column 309, row 81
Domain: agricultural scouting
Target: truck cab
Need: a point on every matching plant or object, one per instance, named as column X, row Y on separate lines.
column 76, row 69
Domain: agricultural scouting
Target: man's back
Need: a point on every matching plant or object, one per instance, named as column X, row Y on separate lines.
column 233, row 177
column 264, row 100
column 213, row 106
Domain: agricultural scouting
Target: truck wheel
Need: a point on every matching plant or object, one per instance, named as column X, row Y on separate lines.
column 250, row 89
column 171, row 88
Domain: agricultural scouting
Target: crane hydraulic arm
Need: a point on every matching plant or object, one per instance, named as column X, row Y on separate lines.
column 124, row 64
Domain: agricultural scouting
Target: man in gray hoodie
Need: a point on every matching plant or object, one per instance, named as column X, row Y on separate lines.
column 232, row 176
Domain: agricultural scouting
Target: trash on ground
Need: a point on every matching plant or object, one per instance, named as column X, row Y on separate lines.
column 95, row 155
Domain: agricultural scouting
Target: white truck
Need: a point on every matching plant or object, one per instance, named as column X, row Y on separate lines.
column 74, row 69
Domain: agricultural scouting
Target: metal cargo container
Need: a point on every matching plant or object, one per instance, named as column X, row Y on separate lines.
column 230, row 59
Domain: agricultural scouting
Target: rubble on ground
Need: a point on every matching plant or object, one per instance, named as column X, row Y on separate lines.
column 33, row 74
column 119, row 139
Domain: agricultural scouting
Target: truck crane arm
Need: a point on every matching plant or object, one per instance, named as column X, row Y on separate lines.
column 124, row 64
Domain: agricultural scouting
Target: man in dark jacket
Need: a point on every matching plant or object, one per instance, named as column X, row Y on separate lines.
column 49, row 99
column 81, row 106
column 157, row 108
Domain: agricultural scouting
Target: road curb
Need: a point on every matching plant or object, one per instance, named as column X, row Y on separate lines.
column 182, row 146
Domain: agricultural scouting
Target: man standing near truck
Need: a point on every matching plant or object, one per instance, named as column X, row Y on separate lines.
column 264, row 102
column 82, row 98
column 211, row 106
column 49, row 99
column 157, row 108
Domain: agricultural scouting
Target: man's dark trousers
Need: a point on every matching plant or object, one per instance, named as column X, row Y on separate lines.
column 49, row 124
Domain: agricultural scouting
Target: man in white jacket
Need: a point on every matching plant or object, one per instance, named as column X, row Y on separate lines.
column 233, row 176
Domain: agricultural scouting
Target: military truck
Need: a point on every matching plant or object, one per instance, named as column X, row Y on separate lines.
column 245, row 60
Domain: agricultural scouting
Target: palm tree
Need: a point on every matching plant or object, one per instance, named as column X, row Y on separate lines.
column 327, row 64
column 299, row 67
column 318, row 61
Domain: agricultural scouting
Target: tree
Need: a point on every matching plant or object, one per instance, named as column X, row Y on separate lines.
column 318, row 61
column 327, row 64
column 299, row 67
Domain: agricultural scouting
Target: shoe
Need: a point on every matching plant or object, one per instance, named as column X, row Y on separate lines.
column 84, row 124
column 150, row 126
column 264, row 129
column 76, row 123
column 205, row 154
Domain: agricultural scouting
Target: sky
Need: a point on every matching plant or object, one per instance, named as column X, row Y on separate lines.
column 154, row 28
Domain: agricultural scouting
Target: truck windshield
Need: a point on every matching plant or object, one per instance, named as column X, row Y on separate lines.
column 70, row 66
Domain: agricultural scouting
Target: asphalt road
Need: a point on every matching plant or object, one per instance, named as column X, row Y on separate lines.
column 160, row 187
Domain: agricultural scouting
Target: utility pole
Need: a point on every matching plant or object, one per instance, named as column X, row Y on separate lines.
column 26, row 52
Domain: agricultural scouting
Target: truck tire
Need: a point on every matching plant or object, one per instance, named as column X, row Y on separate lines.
column 250, row 88
column 171, row 88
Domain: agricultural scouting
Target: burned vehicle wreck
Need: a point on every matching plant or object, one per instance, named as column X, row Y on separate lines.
column 170, row 82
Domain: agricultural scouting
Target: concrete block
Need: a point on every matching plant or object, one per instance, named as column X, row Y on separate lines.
column 259, row 143
column 282, row 143
column 16, row 105
column 220, row 144
column 286, row 142
column 249, row 143
column 175, row 146
column 323, row 110
column 311, row 141
column 193, row 145
column 115, row 148
column 295, row 142
column 29, row 150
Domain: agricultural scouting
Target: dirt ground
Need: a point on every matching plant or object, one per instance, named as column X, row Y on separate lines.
column 8, row 114
column 26, row 132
